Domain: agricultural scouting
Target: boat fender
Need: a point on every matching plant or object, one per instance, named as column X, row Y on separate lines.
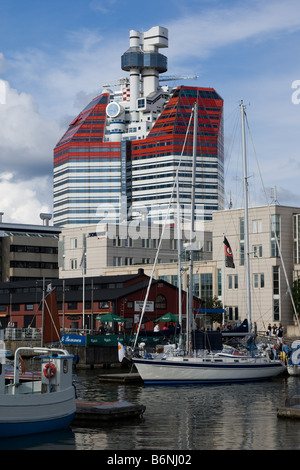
column 49, row 370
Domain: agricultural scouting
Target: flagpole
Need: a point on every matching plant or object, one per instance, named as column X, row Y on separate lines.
column 223, row 291
column 83, row 266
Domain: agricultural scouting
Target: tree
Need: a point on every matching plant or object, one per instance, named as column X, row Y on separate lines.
column 296, row 294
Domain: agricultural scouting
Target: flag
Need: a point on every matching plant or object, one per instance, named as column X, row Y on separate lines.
column 121, row 352
column 229, row 263
column 51, row 327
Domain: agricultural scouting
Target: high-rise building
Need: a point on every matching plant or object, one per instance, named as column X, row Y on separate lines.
column 119, row 157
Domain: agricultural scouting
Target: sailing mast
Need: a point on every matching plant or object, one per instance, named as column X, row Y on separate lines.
column 246, row 220
column 190, row 309
column 179, row 261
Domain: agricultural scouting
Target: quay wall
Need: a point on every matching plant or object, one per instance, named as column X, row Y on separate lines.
column 84, row 356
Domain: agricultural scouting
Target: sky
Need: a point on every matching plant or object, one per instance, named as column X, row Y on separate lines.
column 56, row 56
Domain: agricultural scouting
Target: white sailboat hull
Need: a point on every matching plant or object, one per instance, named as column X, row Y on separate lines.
column 183, row 370
column 293, row 369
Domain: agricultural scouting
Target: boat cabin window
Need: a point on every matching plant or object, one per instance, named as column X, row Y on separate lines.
column 65, row 366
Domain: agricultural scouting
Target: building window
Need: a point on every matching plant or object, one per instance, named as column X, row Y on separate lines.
column 103, row 304
column 257, row 251
column 233, row 313
column 117, row 241
column 297, row 238
column 196, row 284
column 275, row 280
column 276, row 309
column 72, row 305
column 173, row 244
column 160, row 302
column 233, row 281
column 257, row 226
column 29, row 307
column 174, row 280
column 73, row 242
column 275, row 233
column 117, row 261
column 258, row 281
column 128, row 242
column 145, row 242
column 219, row 282
column 73, row 263
column 206, row 286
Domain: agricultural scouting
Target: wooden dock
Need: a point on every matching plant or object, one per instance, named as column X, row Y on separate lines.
column 88, row 413
column 121, row 378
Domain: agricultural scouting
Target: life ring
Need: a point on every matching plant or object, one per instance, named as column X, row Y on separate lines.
column 49, row 370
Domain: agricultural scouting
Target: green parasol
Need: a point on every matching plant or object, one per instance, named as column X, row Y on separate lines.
column 110, row 317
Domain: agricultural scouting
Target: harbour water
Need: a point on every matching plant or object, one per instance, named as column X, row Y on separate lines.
column 184, row 418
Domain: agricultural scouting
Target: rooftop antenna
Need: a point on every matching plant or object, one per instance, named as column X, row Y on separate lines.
column 274, row 195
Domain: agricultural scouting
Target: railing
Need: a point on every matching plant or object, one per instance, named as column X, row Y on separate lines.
column 29, row 334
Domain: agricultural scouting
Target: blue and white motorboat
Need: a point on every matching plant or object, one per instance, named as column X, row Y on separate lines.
column 41, row 405
column 293, row 366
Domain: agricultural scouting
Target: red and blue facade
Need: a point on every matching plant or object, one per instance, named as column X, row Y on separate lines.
column 96, row 177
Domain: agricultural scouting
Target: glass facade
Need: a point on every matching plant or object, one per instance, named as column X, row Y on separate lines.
column 296, row 238
column 275, row 234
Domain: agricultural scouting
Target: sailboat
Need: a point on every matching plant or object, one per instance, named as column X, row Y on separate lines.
column 188, row 367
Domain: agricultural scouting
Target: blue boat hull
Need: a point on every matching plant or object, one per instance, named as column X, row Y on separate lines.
column 34, row 427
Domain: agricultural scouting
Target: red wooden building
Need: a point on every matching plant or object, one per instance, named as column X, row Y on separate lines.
column 21, row 302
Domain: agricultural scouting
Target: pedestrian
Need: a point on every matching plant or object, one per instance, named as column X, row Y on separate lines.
column 280, row 334
column 274, row 330
column 269, row 330
column 286, row 351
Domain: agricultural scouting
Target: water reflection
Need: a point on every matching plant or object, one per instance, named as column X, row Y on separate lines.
column 208, row 417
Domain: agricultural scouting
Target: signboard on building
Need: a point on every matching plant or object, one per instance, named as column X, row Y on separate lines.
column 79, row 340
column 138, row 306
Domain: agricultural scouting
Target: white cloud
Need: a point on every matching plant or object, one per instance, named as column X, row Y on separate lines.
column 198, row 35
column 26, row 138
column 26, row 148
column 23, row 201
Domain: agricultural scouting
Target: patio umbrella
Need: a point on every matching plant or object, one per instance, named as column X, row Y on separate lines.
column 110, row 317
column 168, row 317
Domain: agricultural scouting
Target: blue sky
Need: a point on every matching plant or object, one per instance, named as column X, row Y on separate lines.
column 55, row 56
